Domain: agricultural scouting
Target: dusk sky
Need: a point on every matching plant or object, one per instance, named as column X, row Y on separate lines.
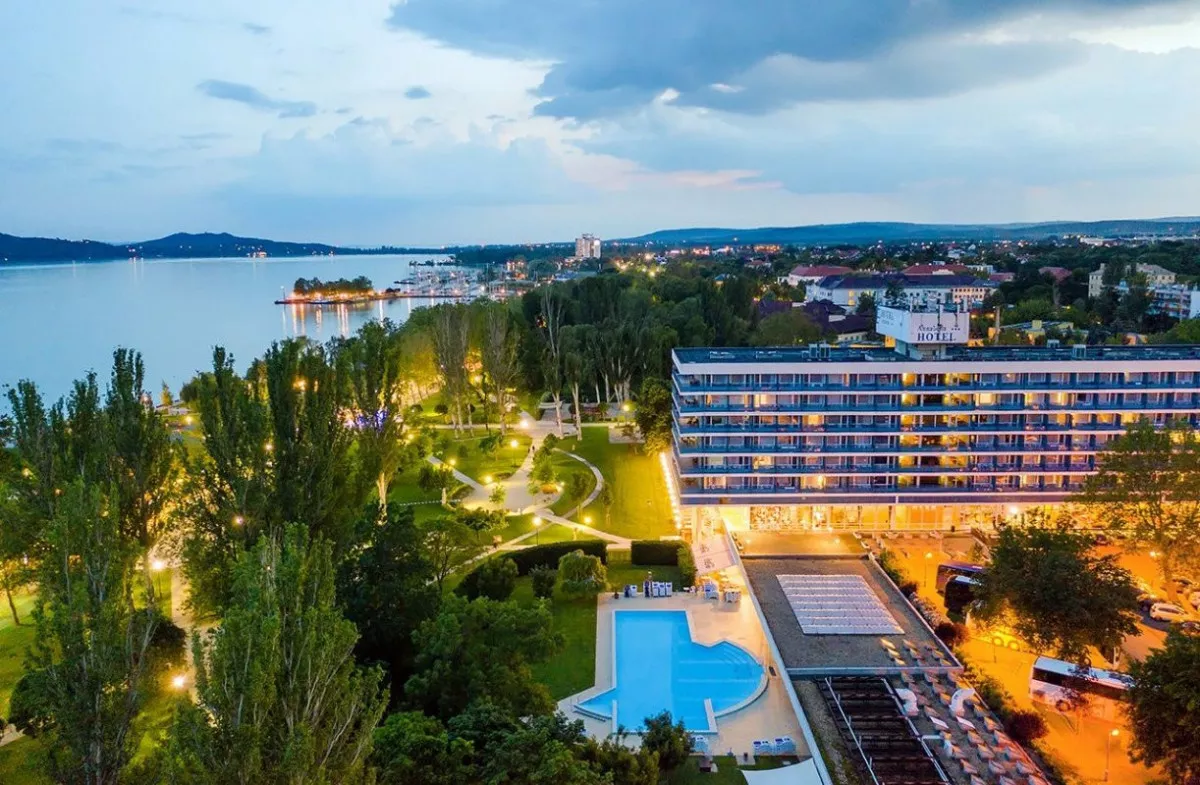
column 447, row 121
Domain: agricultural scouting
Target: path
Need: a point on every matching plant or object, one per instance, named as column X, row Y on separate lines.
column 464, row 479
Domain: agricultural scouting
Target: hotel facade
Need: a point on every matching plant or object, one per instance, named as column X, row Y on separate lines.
column 926, row 433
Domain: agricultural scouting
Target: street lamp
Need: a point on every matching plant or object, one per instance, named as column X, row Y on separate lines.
column 928, row 557
column 1114, row 733
column 487, row 479
column 179, row 681
column 156, row 567
column 514, row 444
column 537, row 522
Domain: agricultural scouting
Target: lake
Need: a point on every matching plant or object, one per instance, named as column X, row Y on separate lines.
column 59, row 320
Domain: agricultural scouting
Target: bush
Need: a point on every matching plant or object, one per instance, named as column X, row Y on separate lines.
column 687, row 567
column 669, row 739
column 543, row 579
column 952, row 634
column 527, row 559
column 25, row 705
column 582, row 574
column 496, row 580
column 441, row 408
column 168, row 645
column 887, row 562
column 654, row 553
column 1026, row 726
column 908, row 588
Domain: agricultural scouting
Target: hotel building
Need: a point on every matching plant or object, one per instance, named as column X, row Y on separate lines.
column 925, row 433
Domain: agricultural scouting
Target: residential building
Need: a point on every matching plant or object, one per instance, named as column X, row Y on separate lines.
column 1155, row 276
column 964, row 291
column 810, row 274
column 1059, row 274
column 929, row 433
column 936, row 269
column 1175, row 300
column 587, row 247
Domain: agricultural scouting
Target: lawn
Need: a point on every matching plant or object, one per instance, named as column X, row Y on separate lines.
column 641, row 508
column 727, row 772
column 478, row 464
column 22, row 763
column 13, row 642
column 567, row 467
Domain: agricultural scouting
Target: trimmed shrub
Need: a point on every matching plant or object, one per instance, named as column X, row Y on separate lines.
column 908, row 588
column 687, row 567
column 582, row 574
column 527, row 559
column 496, row 579
column 1026, row 726
column 654, row 553
column 952, row 634
column 543, row 579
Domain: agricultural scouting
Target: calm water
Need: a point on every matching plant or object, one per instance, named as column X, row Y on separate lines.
column 57, row 321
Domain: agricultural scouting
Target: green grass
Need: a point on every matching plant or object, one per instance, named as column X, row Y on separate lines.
column 727, row 773
column 478, row 464
column 22, row 763
column 641, row 508
column 567, row 467
column 13, row 642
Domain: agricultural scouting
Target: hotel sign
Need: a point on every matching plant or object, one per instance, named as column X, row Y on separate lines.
column 923, row 327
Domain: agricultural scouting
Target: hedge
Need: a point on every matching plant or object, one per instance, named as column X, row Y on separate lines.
column 651, row 553
column 537, row 556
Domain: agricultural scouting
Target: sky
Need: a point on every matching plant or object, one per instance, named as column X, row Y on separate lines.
column 430, row 122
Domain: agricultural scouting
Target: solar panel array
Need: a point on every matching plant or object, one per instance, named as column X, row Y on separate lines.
column 837, row 605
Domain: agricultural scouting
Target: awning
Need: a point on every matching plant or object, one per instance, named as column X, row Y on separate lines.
column 803, row 773
column 712, row 554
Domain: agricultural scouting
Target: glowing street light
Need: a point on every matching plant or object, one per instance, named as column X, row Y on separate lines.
column 928, row 558
column 238, row 520
column 453, row 461
column 487, row 479
column 587, row 519
column 179, row 681
column 537, row 523
column 625, row 407
column 1107, row 748
column 158, row 565
column 513, row 443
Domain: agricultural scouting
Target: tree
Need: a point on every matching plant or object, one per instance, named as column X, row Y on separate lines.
column 866, row 304
column 451, row 335
column 786, row 328
column 481, row 650
column 281, row 699
column 142, row 456
column 448, row 543
column 412, row 749
column 376, row 401
column 669, row 740
column 894, row 293
column 551, row 328
column 582, row 574
column 1063, row 598
column 653, row 415
column 543, row 579
column 626, row 766
column 91, row 643
column 1147, row 485
column 386, row 589
column 606, row 500
column 497, row 578
column 543, row 750
column 1164, row 708
column 498, row 355
column 498, row 495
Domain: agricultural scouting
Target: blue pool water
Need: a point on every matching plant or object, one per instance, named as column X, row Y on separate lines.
column 659, row 667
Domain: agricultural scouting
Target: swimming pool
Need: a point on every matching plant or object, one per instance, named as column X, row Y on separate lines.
column 658, row 667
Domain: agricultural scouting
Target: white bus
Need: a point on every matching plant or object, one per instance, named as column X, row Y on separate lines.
column 1067, row 688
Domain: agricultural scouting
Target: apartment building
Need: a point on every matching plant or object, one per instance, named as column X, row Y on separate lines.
column 1156, row 276
column 963, row 291
column 928, row 433
column 587, row 247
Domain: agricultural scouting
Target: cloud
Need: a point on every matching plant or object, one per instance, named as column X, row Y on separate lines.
column 609, row 58
column 256, row 29
column 255, row 99
column 417, row 92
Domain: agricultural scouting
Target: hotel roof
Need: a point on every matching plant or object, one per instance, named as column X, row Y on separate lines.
column 827, row 354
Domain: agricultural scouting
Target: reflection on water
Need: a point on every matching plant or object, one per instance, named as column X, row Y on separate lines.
column 56, row 321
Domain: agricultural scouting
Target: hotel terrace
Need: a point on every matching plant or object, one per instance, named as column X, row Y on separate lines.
column 927, row 433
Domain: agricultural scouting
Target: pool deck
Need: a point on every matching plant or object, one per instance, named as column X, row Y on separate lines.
column 769, row 716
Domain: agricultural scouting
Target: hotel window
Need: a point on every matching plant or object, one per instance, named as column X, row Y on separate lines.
column 1133, row 379
column 1184, row 379
column 1156, row 399
column 1086, row 378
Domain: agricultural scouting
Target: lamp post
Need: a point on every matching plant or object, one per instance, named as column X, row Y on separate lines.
column 928, row 557
column 537, row 524
column 1108, row 748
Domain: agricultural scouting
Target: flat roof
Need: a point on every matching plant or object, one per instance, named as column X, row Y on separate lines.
column 974, row 354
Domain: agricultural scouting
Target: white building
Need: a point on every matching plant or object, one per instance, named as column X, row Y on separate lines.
column 587, row 247
column 1155, row 276
column 963, row 291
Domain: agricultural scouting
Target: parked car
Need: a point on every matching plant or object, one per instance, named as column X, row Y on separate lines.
column 1165, row 611
column 1195, row 600
column 1147, row 600
column 1189, row 627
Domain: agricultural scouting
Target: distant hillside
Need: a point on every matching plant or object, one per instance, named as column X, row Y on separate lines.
column 859, row 233
column 175, row 246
